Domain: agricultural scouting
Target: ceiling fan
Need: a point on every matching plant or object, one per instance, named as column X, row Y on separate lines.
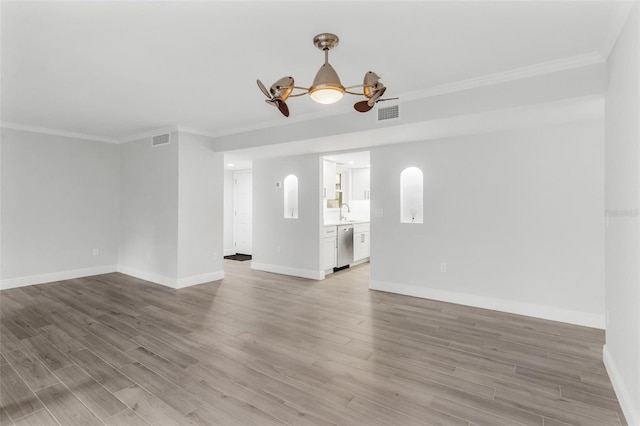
column 326, row 87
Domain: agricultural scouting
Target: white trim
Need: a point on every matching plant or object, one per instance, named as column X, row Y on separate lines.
column 622, row 392
column 56, row 276
column 199, row 279
column 616, row 29
column 528, row 309
column 148, row 134
column 229, row 252
column 56, row 132
column 148, row 276
column 529, row 71
column 286, row 270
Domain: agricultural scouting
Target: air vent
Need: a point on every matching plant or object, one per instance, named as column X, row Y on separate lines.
column 389, row 113
column 161, row 140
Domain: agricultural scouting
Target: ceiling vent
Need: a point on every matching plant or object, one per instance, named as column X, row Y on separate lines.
column 389, row 113
column 161, row 140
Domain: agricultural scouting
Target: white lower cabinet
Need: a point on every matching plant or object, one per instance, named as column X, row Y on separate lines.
column 330, row 248
column 361, row 241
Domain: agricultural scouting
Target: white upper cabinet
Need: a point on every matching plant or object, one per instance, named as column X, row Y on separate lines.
column 329, row 174
column 360, row 184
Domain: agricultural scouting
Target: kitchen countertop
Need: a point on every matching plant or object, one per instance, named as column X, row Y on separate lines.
column 346, row 222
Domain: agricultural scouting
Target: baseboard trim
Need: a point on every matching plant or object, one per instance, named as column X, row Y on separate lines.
column 7, row 284
column 626, row 403
column 513, row 307
column 229, row 252
column 286, row 270
column 199, row 279
column 148, row 276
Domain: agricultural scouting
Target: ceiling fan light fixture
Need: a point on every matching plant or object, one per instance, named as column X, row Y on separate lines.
column 326, row 88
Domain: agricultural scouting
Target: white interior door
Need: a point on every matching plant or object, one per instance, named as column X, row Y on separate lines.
column 242, row 215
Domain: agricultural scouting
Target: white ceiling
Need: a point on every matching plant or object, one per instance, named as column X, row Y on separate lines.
column 113, row 69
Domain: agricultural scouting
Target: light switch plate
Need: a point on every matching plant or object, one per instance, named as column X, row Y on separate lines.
column 378, row 212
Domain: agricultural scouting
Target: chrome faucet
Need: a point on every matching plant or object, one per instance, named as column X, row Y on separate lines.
column 348, row 211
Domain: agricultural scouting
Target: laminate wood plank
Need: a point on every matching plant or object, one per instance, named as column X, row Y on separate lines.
column 3, row 360
column 156, row 363
column 510, row 382
column 470, row 414
column 167, row 391
column 65, row 407
column 34, row 373
column 112, row 337
column 118, row 326
column 61, row 340
column 39, row 418
column 126, row 418
column 104, row 350
column 416, row 406
column 4, row 417
column 151, row 408
column 18, row 327
column 208, row 415
column 8, row 341
column 442, row 382
column 164, row 350
column 101, row 371
column 560, row 380
column 98, row 399
column 559, row 409
column 46, row 352
column 33, row 318
column 378, row 414
column 16, row 398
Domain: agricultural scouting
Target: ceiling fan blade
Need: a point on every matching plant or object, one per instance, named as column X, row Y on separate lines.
column 373, row 99
column 282, row 106
column 264, row 89
column 362, row 106
column 387, row 99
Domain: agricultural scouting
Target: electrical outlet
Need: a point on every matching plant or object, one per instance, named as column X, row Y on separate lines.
column 95, row 252
column 443, row 267
column 378, row 212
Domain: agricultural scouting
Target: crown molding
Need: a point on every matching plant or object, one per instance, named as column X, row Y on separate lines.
column 56, row 132
column 616, row 29
column 529, row 71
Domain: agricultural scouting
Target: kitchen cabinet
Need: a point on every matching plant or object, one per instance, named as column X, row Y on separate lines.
column 329, row 247
column 329, row 180
column 360, row 189
column 361, row 241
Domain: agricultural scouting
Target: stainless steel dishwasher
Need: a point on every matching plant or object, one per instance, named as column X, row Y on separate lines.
column 345, row 246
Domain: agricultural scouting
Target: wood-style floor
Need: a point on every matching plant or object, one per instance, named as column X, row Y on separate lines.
column 264, row 349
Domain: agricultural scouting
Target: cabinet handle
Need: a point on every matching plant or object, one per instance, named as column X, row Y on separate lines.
column 362, row 238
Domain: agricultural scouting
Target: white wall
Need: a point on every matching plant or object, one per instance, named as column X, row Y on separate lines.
column 59, row 202
column 516, row 216
column 622, row 188
column 200, row 210
column 148, row 237
column 171, row 215
column 228, row 213
column 287, row 246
